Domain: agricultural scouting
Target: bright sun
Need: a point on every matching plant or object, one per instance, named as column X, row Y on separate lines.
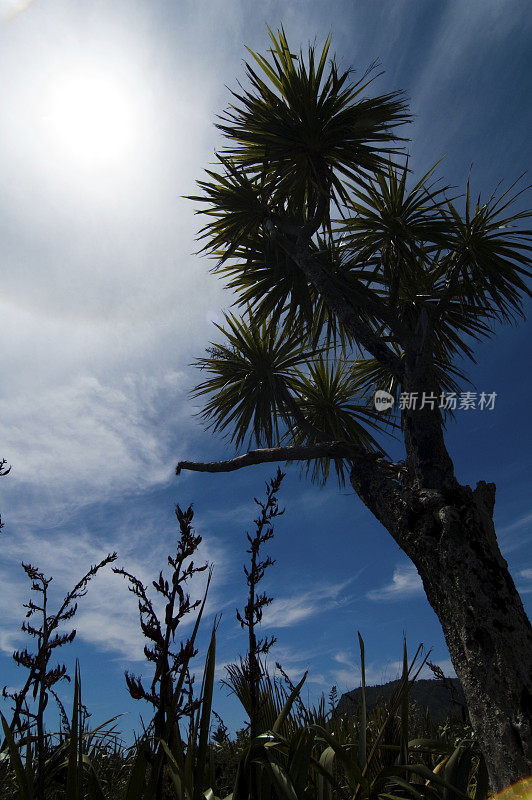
column 90, row 116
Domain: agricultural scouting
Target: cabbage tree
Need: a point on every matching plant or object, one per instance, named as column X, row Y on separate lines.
column 352, row 276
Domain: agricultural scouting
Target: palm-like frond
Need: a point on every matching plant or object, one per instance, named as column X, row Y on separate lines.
column 488, row 255
column 466, row 271
column 252, row 380
column 237, row 206
column 457, row 330
column 265, row 279
column 329, row 399
column 413, row 268
column 307, row 125
column 395, row 227
column 272, row 696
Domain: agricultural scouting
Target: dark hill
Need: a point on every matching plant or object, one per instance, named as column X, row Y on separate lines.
column 431, row 694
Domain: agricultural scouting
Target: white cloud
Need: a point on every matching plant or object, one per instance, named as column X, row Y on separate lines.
column 12, row 613
column 513, row 536
column 445, row 665
column 349, row 676
column 525, row 584
column 100, row 284
column 58, row 557
column 89, row 441
column 107, row 616
column 405, row 583
column 290, row 610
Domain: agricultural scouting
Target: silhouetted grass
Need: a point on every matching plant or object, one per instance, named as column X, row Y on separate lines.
column 289, row 752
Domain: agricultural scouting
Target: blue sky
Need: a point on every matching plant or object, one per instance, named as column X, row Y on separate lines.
column 104, row 305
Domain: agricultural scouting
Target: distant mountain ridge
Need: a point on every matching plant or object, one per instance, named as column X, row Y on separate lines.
column 427, row 694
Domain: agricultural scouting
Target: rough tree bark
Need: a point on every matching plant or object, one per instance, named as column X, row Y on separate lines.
column 450, row 537
column 445, row 529
column 488, row 634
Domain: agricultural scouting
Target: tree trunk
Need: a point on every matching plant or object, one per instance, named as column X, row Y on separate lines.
column 450, row 537
column 447, row 531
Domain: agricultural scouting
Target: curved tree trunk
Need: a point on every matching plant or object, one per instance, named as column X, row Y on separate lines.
column 450, row 537
column 447, row 531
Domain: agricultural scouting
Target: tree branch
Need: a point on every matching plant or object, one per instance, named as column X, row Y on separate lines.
column 450, row 289
column 268, row 454
column 380, row 486
column 337, row 301
column 378, row 482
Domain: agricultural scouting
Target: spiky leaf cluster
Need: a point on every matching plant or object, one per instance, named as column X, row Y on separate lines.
column 305, row 126
column 412, row 261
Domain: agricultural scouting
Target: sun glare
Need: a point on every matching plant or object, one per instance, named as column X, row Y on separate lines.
column 90, row 117
column 10, row 8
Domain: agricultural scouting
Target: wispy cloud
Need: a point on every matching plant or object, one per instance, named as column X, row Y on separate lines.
column 100, row 306
column 348, row 674
column 241, row 515
column 405, row 583
column 519, row 523
column 89, row 440
column 426, row 673
column 290, row 610
column 107, row 616
column 295, row 662
column 457, row 43
column 516, row 534
column 524, row 583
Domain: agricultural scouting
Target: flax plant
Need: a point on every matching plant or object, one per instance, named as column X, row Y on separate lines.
column 315, row 753
column 170, row 690
column 252, row 616
column 245, row 679
column 41, row 679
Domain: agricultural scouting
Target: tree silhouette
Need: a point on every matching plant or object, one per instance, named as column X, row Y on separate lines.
column 41, row 679
column 384, row 298
column 251, row 668
column 171, row 691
